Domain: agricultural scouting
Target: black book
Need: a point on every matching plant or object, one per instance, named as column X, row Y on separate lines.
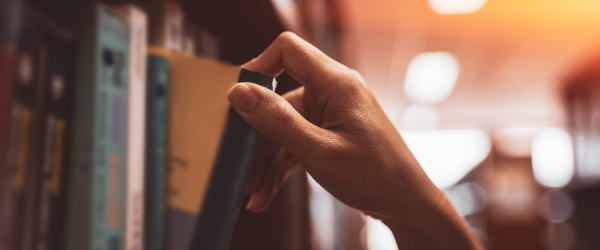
column 54, row 129
column 19, row 190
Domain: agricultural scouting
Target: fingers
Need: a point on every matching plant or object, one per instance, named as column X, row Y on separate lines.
column 297, row 57
column 267, row 147
column 264, row 154
column 274, row 117
column 276, row 173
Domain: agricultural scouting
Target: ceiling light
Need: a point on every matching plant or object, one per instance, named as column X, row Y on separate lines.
column 552, row 157
column 447, row 155
column 450, row 7
column 431, row 77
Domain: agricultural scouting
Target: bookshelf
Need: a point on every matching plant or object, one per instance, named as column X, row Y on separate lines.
column 240, row 30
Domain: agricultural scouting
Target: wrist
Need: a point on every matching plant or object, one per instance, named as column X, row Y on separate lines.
column 432, row 226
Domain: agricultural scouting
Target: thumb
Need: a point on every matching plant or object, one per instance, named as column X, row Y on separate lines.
column 272, row 116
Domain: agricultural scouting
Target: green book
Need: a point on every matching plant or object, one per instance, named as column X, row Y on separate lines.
column 156, row 146
column 98, row 155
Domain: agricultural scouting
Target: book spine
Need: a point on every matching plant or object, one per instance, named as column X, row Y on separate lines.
column 173, row 31
column 9, row 13
column 188, row 46
column 6, row 62
column 136, row 128
column 215, row 224
column 50, row 227
column 36, row 135
column 96, row 202
column 79, row 201
column 156, row 179
column 110, row 138
column 166, row 25
column 20, row 187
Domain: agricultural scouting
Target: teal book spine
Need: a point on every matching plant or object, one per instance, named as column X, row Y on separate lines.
column 98, row 154
column 156, row 147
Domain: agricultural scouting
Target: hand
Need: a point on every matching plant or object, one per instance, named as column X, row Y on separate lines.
column 334, row 127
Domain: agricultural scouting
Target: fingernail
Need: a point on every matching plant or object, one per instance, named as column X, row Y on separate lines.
column 243, row 98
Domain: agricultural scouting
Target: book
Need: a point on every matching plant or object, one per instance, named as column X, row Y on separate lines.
column 166, row 25
column 156, row 147
column 9, row 18
column 207, row 44
column 134, row 208
column 207, row 140
column 22, row 163
column 42, row 203
column 189, row 39
column 98, row 153
column 55, row 125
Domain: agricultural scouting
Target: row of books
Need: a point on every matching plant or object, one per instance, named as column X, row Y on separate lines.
column 108, row 143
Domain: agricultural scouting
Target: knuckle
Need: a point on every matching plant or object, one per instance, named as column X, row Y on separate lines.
column 289, row 40
column 286, row 36
column 351, row 83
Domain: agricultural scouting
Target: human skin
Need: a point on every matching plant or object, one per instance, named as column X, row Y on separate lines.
column 334, row 127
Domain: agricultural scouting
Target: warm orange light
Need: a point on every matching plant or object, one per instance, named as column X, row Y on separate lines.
column 451, row 7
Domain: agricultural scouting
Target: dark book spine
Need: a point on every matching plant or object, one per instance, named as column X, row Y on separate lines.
column 6, row 63
column 10, row 13
column 221, row 204
column 52, row 172
column 47, row 125
column 20, row 187
column 156, row 148
column 9, row 16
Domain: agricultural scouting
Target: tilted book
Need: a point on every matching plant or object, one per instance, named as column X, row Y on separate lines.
column 210, row 150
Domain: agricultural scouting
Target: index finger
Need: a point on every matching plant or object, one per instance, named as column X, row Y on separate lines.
column 298, row 58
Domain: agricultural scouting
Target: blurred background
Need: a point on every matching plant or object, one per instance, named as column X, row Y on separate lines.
column 498, row 100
